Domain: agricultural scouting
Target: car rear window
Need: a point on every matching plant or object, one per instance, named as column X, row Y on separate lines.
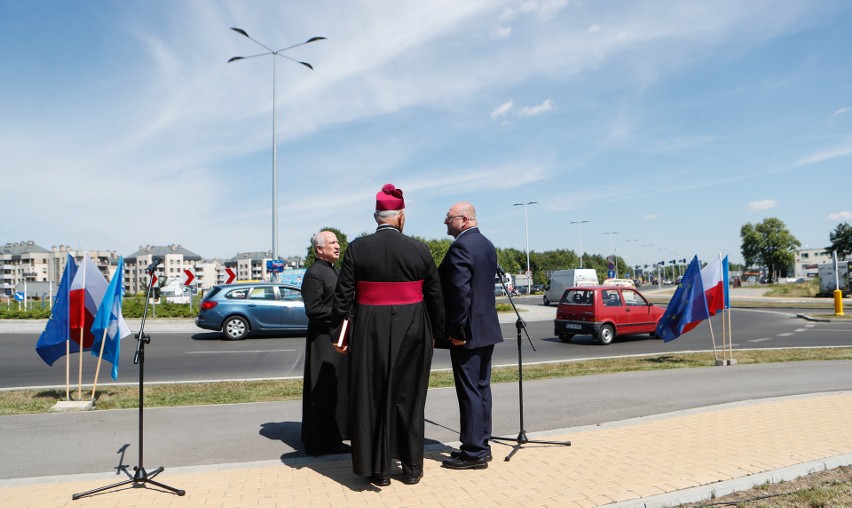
column 578, row 297
column 237, row 294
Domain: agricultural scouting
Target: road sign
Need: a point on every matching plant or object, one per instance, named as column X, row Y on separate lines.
column 189, row 277
column 529, row 273
column 610, row 274
column 19, row 296
column 231, row 275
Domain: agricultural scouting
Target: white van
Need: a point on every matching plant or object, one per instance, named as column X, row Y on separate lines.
column 560, row 280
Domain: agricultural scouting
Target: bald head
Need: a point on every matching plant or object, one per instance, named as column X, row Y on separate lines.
column 460, row 217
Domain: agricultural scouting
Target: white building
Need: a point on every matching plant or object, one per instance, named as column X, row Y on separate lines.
column 808, row 261
column 23, row 262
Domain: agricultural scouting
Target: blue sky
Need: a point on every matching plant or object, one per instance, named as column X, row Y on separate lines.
column 670, row 123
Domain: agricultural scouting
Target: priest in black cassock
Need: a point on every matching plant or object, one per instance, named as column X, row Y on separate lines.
column 324, row 397
column 390, row 290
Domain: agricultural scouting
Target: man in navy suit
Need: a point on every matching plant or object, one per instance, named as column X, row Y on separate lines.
column 472, row 328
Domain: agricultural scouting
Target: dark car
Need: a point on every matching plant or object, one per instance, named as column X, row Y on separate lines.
column 242, row 309
column 537, row 288
column 604, row 312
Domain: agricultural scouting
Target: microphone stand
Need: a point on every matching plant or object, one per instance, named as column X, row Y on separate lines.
column 522, row 435
column 141, row 477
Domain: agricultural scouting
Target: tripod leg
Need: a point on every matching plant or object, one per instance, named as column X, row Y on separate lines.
column 164, row 486
column 100, row 489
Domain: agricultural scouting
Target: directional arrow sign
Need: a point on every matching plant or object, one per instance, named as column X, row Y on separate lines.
column 231, row 275
column 189, row 277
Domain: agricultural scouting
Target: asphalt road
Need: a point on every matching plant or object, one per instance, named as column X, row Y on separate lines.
column 202, row 355
column 102, row 441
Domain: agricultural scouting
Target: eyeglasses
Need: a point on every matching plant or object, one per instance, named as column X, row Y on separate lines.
column 450, row 218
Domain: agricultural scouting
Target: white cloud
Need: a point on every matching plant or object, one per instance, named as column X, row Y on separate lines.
column 545, row 9
column 502, row 32
column 651, row 216
column 544, row 107
column 502, row 109
column 839, row 112
column 843, row 150
column 844, row 215
column 764, row 204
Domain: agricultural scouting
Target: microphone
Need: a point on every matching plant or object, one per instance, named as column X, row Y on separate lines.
column 500, row 271
column 153, row 266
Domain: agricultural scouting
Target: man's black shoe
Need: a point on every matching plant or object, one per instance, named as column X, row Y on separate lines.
column 460, row 463
column 411, row 479
column 455, row 455
column 379, row 480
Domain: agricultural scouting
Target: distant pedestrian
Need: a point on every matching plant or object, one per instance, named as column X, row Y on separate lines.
column 472, row 329
column 324, row 396
column 389, row 289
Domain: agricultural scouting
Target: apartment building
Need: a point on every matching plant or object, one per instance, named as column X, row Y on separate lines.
column 175, row 259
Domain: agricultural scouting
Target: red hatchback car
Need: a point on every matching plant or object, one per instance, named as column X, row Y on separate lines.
column 604, row 312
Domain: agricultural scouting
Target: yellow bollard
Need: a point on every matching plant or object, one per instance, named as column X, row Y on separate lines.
column 838, row 302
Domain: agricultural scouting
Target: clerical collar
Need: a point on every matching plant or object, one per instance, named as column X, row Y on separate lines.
column 382, row 227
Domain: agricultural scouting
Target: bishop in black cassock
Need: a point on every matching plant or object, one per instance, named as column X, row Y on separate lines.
column 390, row 290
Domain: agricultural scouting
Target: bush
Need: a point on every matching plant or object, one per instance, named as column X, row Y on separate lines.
column 37, row 313
column 131, row 307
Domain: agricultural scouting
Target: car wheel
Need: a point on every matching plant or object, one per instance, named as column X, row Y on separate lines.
column 546, row 301
column 566, row 337
column 606, row 334
column 235, row 328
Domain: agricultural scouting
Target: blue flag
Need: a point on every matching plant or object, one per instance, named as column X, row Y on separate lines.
column 688, row 305
column 51, row 343
column 109, row 319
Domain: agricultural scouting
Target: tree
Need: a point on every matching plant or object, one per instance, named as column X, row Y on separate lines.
column 341, row 238
column 841, row 240
column 438, row 248
column 770, row 244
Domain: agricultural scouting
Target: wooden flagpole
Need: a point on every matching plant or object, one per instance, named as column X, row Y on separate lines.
column 730, row 337
column 713, row 338
column 82, row 332
column 68, row 366
column 98, row 368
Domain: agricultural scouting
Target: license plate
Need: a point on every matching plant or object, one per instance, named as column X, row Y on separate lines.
column 572, row 326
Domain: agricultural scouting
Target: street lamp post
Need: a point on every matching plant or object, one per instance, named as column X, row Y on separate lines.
column 579, row 224
column 274, row 53
column 633, row 255
column 612, row 249
column 527, row 235
column 645, row 269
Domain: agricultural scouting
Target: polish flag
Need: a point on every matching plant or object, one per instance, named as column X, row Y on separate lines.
column 86, row 292
column 714, row 277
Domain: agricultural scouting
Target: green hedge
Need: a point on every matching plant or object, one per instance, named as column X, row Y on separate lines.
column 132, row 307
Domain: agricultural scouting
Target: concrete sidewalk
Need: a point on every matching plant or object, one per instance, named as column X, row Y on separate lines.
column 658, row 460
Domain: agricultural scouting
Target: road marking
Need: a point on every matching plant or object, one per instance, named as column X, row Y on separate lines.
column 784, row 334
column 759, row 340
column 800, row 330
column 246, row 351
